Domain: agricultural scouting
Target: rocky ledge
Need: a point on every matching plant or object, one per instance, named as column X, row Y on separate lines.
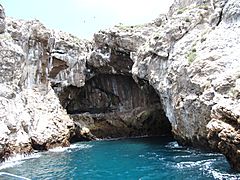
column 179, row 74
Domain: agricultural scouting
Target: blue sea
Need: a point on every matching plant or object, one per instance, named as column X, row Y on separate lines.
column 137, row 158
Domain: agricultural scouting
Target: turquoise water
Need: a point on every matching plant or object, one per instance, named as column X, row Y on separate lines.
column 145, row 158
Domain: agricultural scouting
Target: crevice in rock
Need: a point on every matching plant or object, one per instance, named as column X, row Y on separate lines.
column 57, row 66
column 221, row 13
column 37, row 146
column 109, row 61
column 220, row 17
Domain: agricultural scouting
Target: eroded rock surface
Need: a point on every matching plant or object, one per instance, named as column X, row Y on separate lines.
column 32, row 58
column 111, row 104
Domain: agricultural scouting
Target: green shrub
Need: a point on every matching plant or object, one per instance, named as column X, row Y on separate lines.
column 192, row 55
column 180, row 11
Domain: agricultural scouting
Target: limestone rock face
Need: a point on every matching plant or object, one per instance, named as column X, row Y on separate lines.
column 60, row 57
column 191, row 58
column 32, row 59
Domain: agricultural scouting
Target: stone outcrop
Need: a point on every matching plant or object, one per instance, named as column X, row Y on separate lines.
column 182, row 68
column 190, row 58
column 32, row 59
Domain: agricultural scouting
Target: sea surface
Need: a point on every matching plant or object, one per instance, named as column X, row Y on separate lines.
column 137, row 158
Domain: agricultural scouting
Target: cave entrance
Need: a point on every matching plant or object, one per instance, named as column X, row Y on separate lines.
column 116, row 106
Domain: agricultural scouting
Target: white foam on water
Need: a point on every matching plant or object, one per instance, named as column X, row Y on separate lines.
column 191, row 164
column 10, row 164
column 220, row 175
column 17, row 159
column 6, row 174
column 206, row 165
column 223, row 176
column 72, row 146
column 213, row 154
column 173, row 145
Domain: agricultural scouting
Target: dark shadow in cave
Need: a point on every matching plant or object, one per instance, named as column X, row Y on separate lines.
column 116, row 106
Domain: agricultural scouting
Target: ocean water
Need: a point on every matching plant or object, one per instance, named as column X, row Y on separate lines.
column 138, row 158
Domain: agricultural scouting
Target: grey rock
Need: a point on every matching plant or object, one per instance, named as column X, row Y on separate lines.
column 2, row 19
column 33, row 59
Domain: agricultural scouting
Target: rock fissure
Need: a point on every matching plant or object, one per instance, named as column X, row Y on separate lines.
column 220, row 15
column 220, row 18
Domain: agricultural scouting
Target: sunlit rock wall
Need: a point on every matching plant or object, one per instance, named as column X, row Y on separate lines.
column 32, row 58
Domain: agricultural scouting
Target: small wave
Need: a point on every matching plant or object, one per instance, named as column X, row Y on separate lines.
column 182, row 156
column 191, row 164
column 222, row 176
column 13, row 175
column 17, row 160
column 207, row 167
column 9, row 164
column 213, row 155
column 72, row 146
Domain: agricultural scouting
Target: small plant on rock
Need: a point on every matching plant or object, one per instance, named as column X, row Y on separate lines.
column 192, row 55
column 180, row 11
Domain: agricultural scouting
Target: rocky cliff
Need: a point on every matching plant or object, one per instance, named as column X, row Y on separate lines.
column 179, row 73
column 32, row 58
